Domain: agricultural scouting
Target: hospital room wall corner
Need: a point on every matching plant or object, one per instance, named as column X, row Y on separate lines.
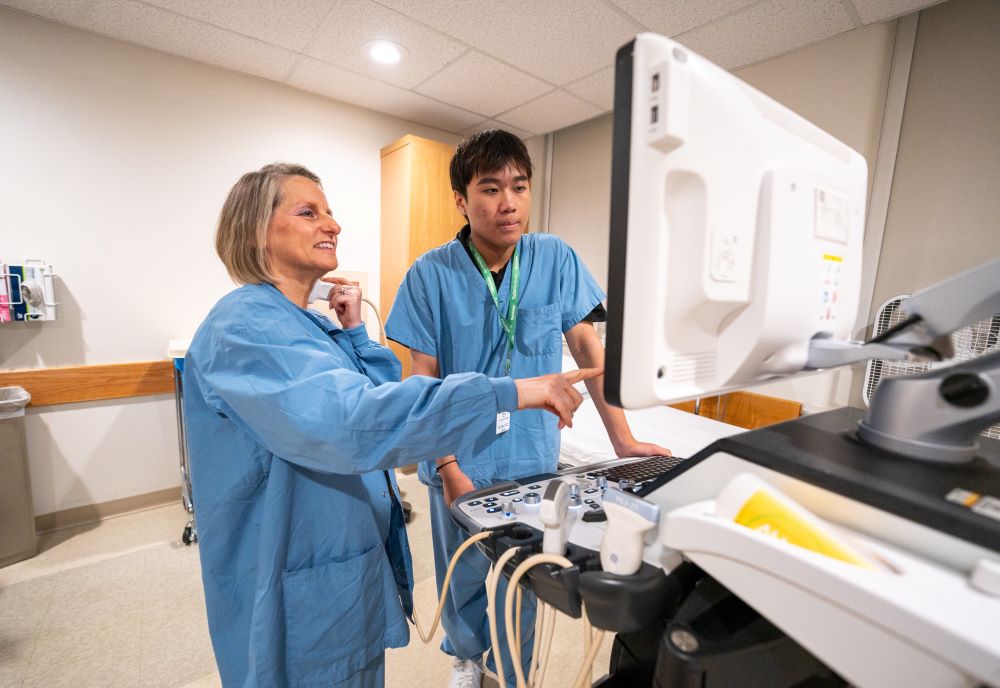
column 139, row 186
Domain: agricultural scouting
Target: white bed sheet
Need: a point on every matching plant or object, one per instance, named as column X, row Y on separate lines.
column 683, row 433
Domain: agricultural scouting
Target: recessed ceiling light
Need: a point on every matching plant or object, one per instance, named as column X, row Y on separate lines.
column 384, row 52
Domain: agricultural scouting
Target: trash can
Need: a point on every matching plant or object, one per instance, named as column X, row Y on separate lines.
column 17, row 515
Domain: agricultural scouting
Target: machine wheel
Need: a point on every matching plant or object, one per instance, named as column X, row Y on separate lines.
column 189, row 535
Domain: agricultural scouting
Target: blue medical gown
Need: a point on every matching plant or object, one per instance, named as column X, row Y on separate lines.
column 292, row 423
column 444, row 309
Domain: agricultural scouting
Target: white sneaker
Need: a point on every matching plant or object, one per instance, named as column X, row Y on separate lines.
column 466, row 673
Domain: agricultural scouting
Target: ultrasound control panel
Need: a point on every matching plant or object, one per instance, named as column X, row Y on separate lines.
column 518, row 501
column 511, row 511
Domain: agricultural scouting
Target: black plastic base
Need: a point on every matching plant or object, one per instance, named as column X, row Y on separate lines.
column 626, row 604
column 552, row 584
column 732, row 645
column 726, row 643
column 620, row 604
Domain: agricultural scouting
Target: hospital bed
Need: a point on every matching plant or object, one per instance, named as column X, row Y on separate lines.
column 683, row 433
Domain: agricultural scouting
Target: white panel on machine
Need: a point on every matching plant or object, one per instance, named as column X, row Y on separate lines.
column 744, row 242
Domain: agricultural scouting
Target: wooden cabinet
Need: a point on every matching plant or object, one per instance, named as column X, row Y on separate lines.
column 745, row 409
column 418, row 213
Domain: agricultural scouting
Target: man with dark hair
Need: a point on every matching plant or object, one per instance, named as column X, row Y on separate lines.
column 497, row 301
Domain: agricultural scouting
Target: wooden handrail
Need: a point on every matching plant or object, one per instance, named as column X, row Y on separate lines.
column 49, row 386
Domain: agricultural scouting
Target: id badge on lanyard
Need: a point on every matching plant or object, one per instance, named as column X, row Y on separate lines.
column 508, row 323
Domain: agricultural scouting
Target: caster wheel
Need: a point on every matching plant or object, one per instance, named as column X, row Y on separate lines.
column 188, row 536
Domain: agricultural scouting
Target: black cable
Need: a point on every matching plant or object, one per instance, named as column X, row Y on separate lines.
column 910, row 321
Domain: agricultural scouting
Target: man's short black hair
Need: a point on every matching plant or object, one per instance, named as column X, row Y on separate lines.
column 487, row 151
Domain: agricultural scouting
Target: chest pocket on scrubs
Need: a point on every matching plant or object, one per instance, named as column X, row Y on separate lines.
column 538, row 330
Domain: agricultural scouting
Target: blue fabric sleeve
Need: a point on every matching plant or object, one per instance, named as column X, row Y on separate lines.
column 359, row 336
column 381, row 365
column 299, row 401
column 579, row 292
column 411, row 321
column 506, row 390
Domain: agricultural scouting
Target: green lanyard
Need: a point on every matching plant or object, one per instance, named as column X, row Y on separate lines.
column 509, row 323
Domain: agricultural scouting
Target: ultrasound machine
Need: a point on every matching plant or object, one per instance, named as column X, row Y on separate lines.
column 735, row 258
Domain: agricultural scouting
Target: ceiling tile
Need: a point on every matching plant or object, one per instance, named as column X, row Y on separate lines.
column 678, row 16
column 766, row 30
column 550, row 112
column 340, row 84
column 155, row 28
column 872, row 11
column 481, row 84
column 556, row 40
column 493, row 124
column 352, row 23
column 598, row 88
column 289, row 23
column 57, row 10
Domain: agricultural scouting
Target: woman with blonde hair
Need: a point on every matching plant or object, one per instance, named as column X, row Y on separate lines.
column 294, row 424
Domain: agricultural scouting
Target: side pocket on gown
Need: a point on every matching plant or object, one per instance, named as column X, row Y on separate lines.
column 334, row 618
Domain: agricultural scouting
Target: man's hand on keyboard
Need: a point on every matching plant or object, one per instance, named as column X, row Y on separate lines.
column 635, row 448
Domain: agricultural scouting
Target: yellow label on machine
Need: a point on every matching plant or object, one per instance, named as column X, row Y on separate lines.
column 766, row 514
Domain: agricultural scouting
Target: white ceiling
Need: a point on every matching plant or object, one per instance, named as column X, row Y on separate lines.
column 532, row 66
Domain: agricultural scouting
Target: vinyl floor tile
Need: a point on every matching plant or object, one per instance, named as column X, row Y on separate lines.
column 116, row 668
column 120, row 605
column 23, row 606
column 11, row 673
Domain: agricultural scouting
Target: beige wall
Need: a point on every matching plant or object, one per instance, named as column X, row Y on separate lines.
column 115, row 163
column 944, row 210
column 840, row 84
column 580, row 191
column 537, row 152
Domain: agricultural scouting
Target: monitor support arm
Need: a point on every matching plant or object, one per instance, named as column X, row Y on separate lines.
column 934, row 313
column 937, row 415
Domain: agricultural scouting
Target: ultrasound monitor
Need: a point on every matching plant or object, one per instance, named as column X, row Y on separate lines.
column 736, row 231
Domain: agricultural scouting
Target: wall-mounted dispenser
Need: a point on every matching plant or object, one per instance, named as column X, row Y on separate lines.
column 27, row 292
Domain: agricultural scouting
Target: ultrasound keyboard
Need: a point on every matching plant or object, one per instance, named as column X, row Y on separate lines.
column 639, row 473
column 518, row 501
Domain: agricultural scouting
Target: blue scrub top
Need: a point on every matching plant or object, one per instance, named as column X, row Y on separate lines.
column 291, row 423
column 444, row 309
